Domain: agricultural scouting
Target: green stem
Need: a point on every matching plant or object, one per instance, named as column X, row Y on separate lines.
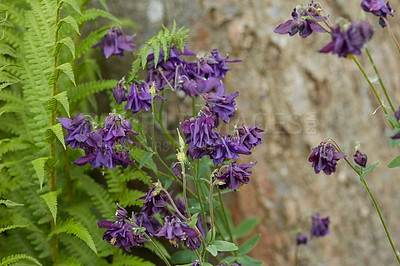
column 379, row 78
column 224, row 216
column 193, row 106
column 296, row 253
column 159, row 250
column 184, row 190
column 166, row 133
column 391, row 34
column 371, row 85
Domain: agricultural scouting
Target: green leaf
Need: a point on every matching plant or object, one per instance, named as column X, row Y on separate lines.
column 394, row 142
column 192, row 223
column 156, row 51
column 13, row 226
column 395, row 162
column 368, row 170
column 213, row 250
column 50, row 199
column 57, row 130
column 73, row 4
column 246, row 227
column 13, row 259
column 247, row 260
column 70, row 21
column 228, row 260
column 183, row 256
column 62, row 98
column 393, row 120
column 248, row 245
column 67, row 69
column 145, row 158
column 10, row 203
column 84, row 89
column 69, row 43
column 225, row 245
column 75, row 228
column 208, row 237
column 161, row 248
column 144, row 52
column 39, row 164
column 138, row 155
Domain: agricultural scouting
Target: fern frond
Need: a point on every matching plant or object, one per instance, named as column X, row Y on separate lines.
column 122, row 259
column 79, row 92
column 18, row 257
column 6, row 49
column 93, row 38
column 50, row 199
column 94, row 13
column 130, row 197
column 13, row 226
column 10, row 203
column 39, row 242
column 75, row 228
column 10, row 96
column 13, row 145
column 81, row 251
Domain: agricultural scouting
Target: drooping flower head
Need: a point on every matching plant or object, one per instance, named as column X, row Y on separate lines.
column 378, row 8
column 139, row 98
column 351, row 40
column 227, row 148
column 77, row 130
column 360, row 158
column 115, row 42
column 234, row 176
column 319, row 226
column 324, row 158
column 301, row 22
column 301, row 239
column 176, row 232
column 154, row 201
column 119, row 93
column 148, row 222
column 250, row 137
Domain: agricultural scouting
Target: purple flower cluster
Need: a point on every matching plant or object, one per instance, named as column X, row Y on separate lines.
column 234, row 176
column 320, row 226
column 378, row 8
column 349, row 41
column 115, row 42
column 138, row 98
column 302, row 23
column 324, row 158
column 104, row 147
column 122, row 232
column 154, row 201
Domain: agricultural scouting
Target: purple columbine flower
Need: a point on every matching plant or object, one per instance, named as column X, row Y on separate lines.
column 115, row 42
column 121, row 214
column 121, row 234
column 234, row 176
column 301, row 22
column 176, row 232
column 360, row 158
column 320, row 226
column 150, row 223
column 378, row 8
column 139, row 100
column 350, row 40
column 78, row 130
column 301, row 239
column 227, row 149
column 324, row 158
column 218, row 64
column 154, row 201
column 250, row 137
column 119, row 93
column 223, row 105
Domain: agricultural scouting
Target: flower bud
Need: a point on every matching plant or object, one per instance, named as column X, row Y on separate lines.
column 360, row 158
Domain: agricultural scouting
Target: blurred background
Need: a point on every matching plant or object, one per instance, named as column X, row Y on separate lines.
column 299, row 97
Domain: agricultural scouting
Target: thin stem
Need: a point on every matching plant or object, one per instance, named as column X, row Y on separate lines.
column 391, row 33
column 184, row 190
column 296, row 253
column 224, row 216
column 396, row 253
column 194, row 106
column 158, row 249
column 379, row 78
column 371, row 85
column 211, row 210
column 319, row 14
column 316, row 22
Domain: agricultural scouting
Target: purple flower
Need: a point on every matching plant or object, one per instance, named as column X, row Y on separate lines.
column 378, row 8
column 324, row 158
column 217, row 64
column 227, row 149
column 250, row 137
column 360, row 158
column 150, row 223
column 223, row 105
column 154, row 201
column 301, row 239
column 320, row 226
column 350, row 40
column 121, row 234
column 301, row 22
column 77, row 130
column 139, row 100
column 397, row 114
column 115, row 42
column 195, row 263
column 121, row 214
column 176, row 232
column 234, row 176
column 119, row 93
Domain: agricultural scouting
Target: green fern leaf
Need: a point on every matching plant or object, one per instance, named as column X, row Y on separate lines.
column 18, row 257
column 121, row 259
column 6, row 49
column 12, row 145
column 156, row 51
column 13, row 226
column 94, row 13
column 144, row 52
column 50, row 199
column 10, row 203
column 130, row 198
column 73, row 227
column 67, row 69
column 163, row 250
column 73, row 4
column 39, row 165
column 62, row 98
column 104, row 4
column 93, row 38
column 79, row 92
column 81, row 251
column 70, row 21
column 57, row 130
column 69, row 43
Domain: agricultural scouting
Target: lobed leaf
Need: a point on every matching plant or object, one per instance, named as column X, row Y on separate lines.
column 13, row 259
column 50, row 199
